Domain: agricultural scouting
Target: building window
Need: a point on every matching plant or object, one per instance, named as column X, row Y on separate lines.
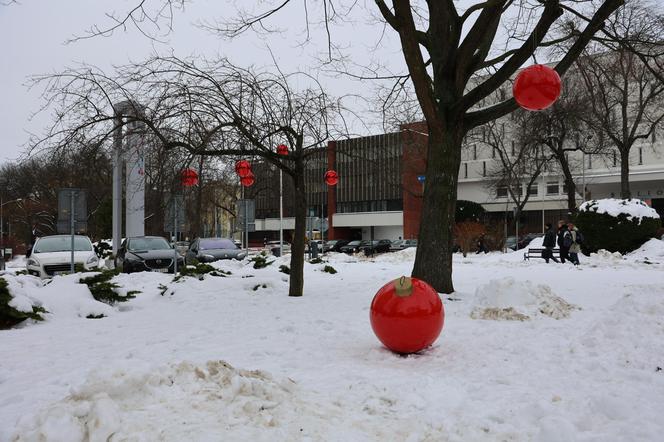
column 501, row 192
column 640, row 155
column 465, row 170
column 474, row 151
column 483, row 168
column 552, row 188
column 533, row 190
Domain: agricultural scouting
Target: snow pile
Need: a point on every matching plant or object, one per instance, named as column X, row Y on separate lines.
column 511, row 300
column 606, row 257
column 127, row 403
column 633, row 208
column 652, row 249
column 405, row 255
column 185, row 401
column 20, row 289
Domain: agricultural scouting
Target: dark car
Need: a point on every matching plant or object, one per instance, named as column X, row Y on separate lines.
column 401, row 244
column 213, row 249
column 146, row 254
column 376, row 246
column 353, row 246
column 335, row 245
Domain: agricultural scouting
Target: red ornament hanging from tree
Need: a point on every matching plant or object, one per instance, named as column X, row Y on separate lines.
column 331, row 177
column 407, row 315
column 242, row 168
column 282, row 149
column 189, row 177
column 536, row 87
column 248, row 180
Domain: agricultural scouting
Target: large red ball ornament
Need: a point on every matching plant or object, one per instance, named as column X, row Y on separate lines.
column 331, row 177
column 536, row 87
column 189, row 177
column 243, row 168
column 282, row 149
column 248, row 180
column 407, row 315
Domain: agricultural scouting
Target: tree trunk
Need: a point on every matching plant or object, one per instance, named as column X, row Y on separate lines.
column 569, row 183
column 435, row 245
column 296, row 287
column 624, row 174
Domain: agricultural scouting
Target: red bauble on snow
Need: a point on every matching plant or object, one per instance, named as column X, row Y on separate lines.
column 189, row 177
column 282, row 149
column 248, row 180
column 407, row 315
column 243, row 168
column 331, row 178
column 536, row 87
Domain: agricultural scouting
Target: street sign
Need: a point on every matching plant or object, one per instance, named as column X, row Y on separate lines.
column 80, row 210
column 421, row 178
column 169, row 214
column 246, row 206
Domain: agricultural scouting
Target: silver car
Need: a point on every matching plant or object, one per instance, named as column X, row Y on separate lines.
column 213, row 249
column 51, row 255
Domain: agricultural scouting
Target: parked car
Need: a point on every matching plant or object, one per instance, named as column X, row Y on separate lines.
column 213, row 249
column 146, row 254
column 335, row 245
column 273, row 247
column 401, row 244
column 353, row 246
column 51, row 255
column 376, row 246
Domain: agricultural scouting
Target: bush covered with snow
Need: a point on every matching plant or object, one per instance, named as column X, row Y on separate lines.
column 616, row 225
column 15, row 308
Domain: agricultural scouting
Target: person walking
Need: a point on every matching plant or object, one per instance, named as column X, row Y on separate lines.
column 481, row 245
column 564, row 251
column 549, row 243
column 573, row 238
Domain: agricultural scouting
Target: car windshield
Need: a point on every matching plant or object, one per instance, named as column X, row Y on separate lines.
column 354, row 243
column 217, row 243
column 62, row 244
column 332, row 242
column 147, row 244
column 397, row 242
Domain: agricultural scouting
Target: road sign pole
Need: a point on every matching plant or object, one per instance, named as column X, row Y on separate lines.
column 175, row 235
column 72, row 220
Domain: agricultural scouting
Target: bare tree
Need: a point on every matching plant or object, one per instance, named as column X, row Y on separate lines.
column 520, row 163
column 623, row 77
column 217, row 109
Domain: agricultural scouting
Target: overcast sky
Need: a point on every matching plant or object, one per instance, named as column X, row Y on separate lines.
column 34, row 32
column 34, row 35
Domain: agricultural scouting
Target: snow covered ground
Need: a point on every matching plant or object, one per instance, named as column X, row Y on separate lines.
column 236, row 359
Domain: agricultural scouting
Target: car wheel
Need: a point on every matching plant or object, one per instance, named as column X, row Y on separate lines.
column 126, row 268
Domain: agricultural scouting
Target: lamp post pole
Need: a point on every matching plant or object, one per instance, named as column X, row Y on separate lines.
column 281, row 213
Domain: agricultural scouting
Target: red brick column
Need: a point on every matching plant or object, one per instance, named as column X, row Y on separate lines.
column 415, row 143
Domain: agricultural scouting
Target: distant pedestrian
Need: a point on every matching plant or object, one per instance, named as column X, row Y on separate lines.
column 481, row 245
column 574, row 238
column 564, row 251
column 549, row 243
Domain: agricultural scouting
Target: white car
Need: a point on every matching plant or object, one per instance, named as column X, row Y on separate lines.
column 51, row 255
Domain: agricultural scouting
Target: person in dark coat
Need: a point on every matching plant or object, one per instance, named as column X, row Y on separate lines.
column 481, row 245
column 564, row 251
column 549, row 243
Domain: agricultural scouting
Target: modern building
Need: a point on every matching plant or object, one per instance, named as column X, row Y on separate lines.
column 379, row 194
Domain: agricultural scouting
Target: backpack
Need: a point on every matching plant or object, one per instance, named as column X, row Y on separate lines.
column 567, row 240
column 579, row 238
